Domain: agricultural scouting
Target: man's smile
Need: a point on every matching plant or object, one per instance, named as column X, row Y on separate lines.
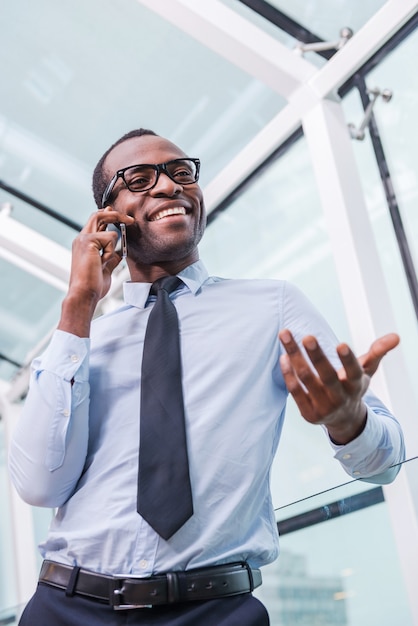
column 178, row 210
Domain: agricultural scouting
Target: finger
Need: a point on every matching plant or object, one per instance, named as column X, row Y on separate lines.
column 297, row 359
column 326, row 381
column 108, row 241
column 323, row 387
column 117, row 216
column 295, row 388
column 333, row 388
column 325, row 369
column 379, row 348
column 290, row 345
column 99, row 220
column 352, row 367
column 111, row 260
column 96, row 242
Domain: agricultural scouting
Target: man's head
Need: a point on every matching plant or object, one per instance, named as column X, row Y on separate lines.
column 165, row 201
column 99, row 182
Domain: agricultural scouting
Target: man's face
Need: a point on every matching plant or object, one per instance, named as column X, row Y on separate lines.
column 169, row 218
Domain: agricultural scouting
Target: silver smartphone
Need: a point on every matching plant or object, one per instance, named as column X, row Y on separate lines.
column 121, row 245
column 123, row 242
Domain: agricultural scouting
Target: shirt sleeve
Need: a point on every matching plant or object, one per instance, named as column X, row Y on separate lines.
column 49, row 443
column 376, row 454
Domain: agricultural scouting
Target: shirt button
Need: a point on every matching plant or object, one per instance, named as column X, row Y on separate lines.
column 74, row 358
column 346, row 456
column 66, row 412
column 143, row 563
column 356, row 473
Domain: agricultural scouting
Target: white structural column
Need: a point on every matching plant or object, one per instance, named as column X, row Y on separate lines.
column 368, row 306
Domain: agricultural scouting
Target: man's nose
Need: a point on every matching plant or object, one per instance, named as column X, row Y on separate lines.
column 165, row 185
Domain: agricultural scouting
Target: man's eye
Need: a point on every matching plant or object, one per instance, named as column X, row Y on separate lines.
column 183, row 173
column 139, row 180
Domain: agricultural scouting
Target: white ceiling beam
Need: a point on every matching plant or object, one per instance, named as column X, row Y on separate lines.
column 34, row 252
column 238, row 40
column 274, row 134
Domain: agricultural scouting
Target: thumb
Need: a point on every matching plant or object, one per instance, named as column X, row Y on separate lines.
column 112, row 262
column 378, row 349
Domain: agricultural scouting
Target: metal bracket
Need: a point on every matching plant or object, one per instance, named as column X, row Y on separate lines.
column 320, row 46
column 360, row 132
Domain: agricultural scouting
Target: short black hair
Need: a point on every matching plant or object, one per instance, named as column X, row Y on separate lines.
column 99, row 182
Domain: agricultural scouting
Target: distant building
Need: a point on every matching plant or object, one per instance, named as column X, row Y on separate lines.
column 294, row 598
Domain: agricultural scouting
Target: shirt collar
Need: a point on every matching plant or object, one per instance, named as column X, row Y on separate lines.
column 193, row 276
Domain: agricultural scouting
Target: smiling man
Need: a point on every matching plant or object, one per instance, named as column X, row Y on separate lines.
column 90, row 443
column 170, row 217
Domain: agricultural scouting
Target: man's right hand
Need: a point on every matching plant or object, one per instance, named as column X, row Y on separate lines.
column 93, row 260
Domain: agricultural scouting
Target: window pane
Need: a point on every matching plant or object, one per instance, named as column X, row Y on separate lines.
column 343, row 572
column 397, row 126
column 30, row 309
column 7, row 573
column 325, row 18
column 85, row 73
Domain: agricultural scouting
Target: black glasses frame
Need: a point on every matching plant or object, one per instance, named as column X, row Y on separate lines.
column 158, row 167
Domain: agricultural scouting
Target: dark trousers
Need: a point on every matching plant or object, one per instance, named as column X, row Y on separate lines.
column 51, row 607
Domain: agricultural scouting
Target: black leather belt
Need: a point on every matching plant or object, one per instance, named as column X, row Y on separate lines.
column 126, row 592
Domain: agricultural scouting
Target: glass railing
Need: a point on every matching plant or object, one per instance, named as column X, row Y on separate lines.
column 338, row 564
column 10, row 616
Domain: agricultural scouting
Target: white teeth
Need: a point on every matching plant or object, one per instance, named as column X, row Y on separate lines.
column 178, row 210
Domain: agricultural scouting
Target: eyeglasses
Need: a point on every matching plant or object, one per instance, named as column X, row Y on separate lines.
column 144, row 177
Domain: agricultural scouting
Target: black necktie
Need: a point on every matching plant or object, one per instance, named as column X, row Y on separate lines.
column 164, row 491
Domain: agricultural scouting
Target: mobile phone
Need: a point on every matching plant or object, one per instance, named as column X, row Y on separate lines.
column 122, row 244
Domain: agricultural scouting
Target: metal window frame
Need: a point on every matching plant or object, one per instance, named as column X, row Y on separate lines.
column 331, row 510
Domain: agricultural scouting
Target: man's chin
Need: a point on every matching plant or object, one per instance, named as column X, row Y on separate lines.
column 165, row 250
column 163, row 257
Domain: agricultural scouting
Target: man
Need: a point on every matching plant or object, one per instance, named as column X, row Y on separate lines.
column 76, row 444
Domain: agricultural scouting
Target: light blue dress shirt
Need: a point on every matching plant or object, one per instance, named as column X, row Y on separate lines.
column 75, row 446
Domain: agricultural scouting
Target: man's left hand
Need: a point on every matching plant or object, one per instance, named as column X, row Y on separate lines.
column 325, row 395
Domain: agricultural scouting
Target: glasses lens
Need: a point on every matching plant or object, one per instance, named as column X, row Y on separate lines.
column 144, row 177
column 183, row 171
column 140, row 177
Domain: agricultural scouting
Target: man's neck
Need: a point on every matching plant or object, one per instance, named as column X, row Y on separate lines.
column 142, row 273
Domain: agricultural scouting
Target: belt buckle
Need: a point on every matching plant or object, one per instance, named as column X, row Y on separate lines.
column 118, row 591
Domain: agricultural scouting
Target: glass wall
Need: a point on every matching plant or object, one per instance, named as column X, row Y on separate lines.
column 397, row 127
column 334, row 573
column 84, row 74
column 342, row 572
column 8, row 596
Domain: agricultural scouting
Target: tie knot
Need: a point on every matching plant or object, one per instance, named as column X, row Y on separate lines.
column 168, row 283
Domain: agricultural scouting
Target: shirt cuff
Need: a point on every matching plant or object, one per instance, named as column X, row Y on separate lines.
column 353, row 454
column 66, row 356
